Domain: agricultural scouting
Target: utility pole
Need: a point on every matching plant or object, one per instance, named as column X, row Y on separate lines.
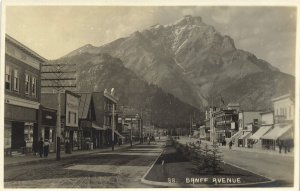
column 113, row 128
column 56, row 70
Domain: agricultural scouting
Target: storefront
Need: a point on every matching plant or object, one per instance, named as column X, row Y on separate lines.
column 243, row 139
column 280, row 132
column 47, row 127
column 20, row 126
column 71, row 128
column 255, row 140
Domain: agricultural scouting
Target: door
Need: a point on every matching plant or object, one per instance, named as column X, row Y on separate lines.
column 17, row 135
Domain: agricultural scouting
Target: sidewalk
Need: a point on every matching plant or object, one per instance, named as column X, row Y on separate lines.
column 184, row 140
column 23, row 159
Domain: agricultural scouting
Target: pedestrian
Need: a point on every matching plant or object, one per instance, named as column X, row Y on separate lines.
column 34, row 147
column 280, row 146
column 230, row 144
column 288, row 145
column 41, row 147
column 46, row 148
column 119, row 141
column 285, row 146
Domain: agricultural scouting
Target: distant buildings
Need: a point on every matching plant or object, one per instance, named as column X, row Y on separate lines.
column 253, row 129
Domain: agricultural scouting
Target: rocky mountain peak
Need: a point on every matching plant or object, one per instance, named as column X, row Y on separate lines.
column 189, row 20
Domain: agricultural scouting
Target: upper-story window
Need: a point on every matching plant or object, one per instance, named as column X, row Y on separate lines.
column 33, row 86
column 7, row 78
column 16, row 80
column 27, row 84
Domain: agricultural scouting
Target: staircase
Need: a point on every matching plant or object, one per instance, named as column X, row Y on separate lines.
column 235, row 137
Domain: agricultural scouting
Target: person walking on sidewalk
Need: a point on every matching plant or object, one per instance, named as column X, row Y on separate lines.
column 230, row 145
column 35, row 147
column 41, row 147
column 46, row 148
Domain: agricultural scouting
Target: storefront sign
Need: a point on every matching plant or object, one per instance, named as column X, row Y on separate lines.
column 232, row 125
column 72, row 105
column 48, row 118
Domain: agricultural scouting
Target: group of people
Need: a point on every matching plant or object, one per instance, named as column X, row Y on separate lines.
column 41, row 147
column 284, row 144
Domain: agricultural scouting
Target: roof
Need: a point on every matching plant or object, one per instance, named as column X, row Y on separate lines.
column 261, row 131
column 25, row 48
column 277, row 132
column 282, row 97
column 84, row 105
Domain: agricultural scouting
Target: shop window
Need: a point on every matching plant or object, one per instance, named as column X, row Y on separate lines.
column 7, row 78
column 16, row 80
column 33, row 86
column 27, row 84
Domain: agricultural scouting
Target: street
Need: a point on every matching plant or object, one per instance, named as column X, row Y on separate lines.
column 118, row 169
column 278, row 167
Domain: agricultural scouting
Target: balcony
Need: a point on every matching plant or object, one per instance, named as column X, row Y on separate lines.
column 279, row 118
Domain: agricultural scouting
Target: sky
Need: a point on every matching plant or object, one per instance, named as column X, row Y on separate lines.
column 54, row 31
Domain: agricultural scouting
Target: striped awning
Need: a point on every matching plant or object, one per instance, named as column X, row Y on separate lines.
column 260, row 132
column 278, row 132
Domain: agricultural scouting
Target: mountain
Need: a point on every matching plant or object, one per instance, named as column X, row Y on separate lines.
column 96, row 72
column 192, row 61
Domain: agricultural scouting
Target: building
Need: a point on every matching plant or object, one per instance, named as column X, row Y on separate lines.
column 110, row 119
column 90, row 133
column 69, row 110
column 22, row 95
column 248, row 124
column 47, row 125
column 266, row 123
column 282, row 134
column 226, row 124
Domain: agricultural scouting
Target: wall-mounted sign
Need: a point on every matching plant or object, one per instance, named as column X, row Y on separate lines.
column 232, row 125
column 48, row 118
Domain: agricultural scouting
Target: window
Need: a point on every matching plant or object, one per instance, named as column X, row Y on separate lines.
column 27, row 84
column 75, row 120
column 69, row 117
column 7, row 78
column 16, row 80
column 290, row 111
column 33, row 86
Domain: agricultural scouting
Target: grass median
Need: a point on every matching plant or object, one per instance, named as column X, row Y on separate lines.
column 173, row 167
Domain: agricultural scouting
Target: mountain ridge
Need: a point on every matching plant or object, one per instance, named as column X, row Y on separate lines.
column 187, row 58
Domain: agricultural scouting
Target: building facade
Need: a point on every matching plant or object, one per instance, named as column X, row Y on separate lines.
column 282, row 134
column 69, row 110
column 22, row 94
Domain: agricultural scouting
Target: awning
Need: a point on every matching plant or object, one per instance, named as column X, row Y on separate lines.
column 236, row 135
column 97, row 127
column 116, row 132
column 245, row 135
column 260, row 132
column 277, row 132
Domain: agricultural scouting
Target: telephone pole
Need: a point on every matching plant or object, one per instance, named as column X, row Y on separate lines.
column 55, row 78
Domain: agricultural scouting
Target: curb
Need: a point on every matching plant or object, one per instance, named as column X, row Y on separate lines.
column 177, row 185
column 54, row 159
